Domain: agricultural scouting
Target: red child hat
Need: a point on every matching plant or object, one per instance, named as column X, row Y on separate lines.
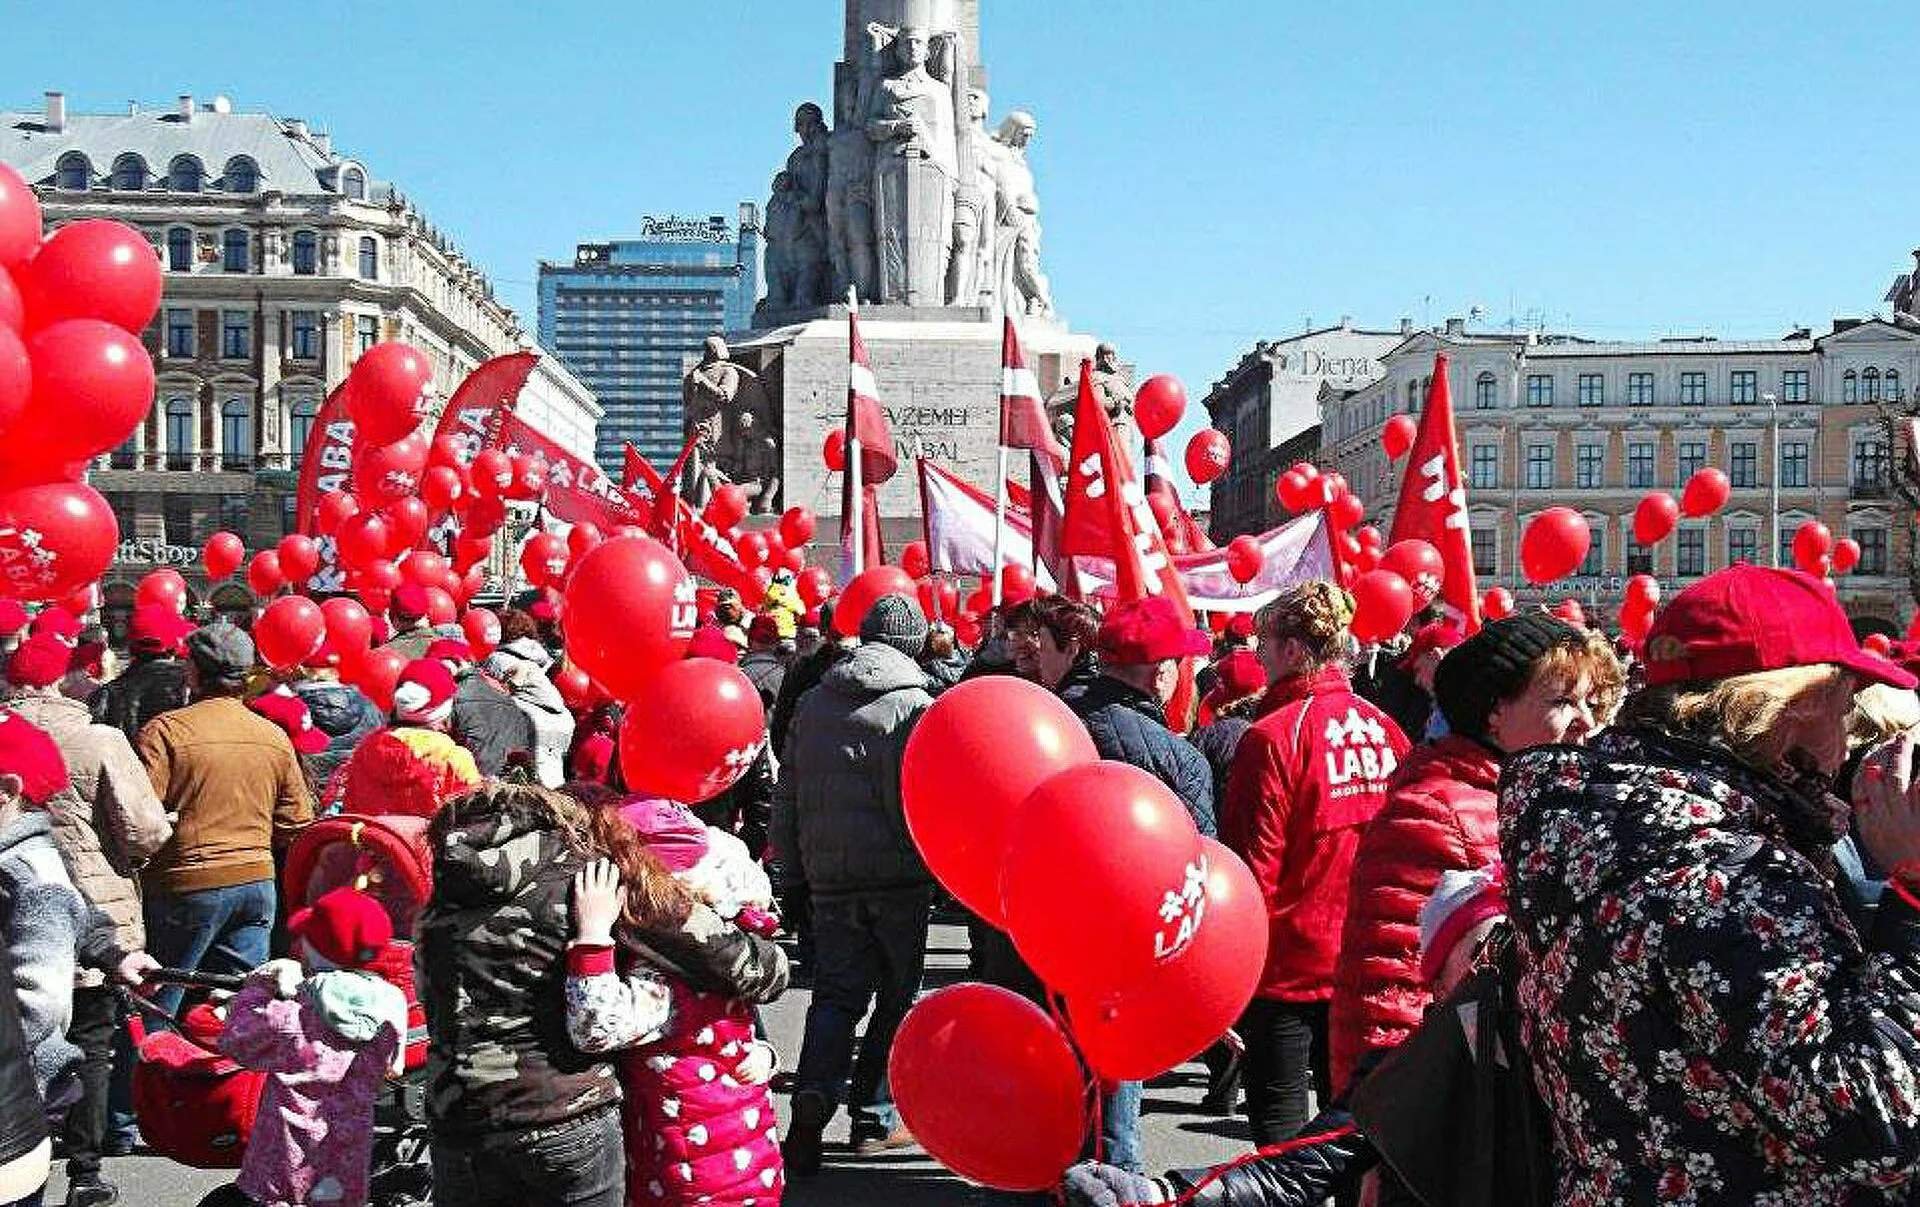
column 346, row 926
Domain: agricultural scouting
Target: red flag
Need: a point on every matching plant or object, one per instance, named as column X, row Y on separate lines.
column 672, row 521
column 868, row 431
column 1160, row 484
column 578, row 491
column 1433, row 500
column 474, row 413
column 1106, row 509
column 1023, row 416
column 958, row 524
column 326, row 463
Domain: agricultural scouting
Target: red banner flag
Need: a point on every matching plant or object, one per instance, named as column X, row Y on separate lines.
column 860, row 544
column 1107, row 514
column 578, row 490
column 672, row 521
column 326, row 463
column 1433, row 500
column 474, row 413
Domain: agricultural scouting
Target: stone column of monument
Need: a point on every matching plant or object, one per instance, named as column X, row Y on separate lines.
column 916, row 167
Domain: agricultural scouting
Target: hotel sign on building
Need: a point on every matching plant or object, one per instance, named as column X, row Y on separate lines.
column 671, row 228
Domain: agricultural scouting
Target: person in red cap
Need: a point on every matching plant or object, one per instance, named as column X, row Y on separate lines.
column 155, row 679
column 1404, row 687
column 1305, row 781
column 412, row 632
column 1703, row 1019
column 327, row 1040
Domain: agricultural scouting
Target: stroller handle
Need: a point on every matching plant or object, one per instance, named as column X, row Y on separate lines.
column 193, row 980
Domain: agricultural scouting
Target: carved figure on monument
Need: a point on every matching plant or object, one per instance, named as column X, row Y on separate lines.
column 1110, row 387
column 750, row 458
column 795, row 248
column 969, row 276
column 910, row 120
column 807, row 167
column 850, row 187
column 1022, row 286
column 711, row 393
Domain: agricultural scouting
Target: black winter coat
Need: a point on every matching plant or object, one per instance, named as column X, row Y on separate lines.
column 148, row 687
column 1217, row 743
column 802, row 677
column 345, row 715
column 23, row 1120
column 1129, row 726
column 488, row 723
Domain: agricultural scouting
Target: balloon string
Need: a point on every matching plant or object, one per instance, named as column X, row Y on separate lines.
column 1094, row 1101
column 1899, row 874
column 1258, row 1154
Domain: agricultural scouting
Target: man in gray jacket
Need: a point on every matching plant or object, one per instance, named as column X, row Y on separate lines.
column 838, row 824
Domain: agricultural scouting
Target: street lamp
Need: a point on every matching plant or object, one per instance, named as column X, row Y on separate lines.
column 1773, row 413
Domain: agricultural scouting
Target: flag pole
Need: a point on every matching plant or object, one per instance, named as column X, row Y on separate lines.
column 1000, row 487
column 856, row 500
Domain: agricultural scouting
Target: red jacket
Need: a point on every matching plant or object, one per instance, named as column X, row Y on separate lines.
column 1439, row 817
column 1306, row 780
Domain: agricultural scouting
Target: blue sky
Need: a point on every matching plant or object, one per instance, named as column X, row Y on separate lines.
column 1210, row 173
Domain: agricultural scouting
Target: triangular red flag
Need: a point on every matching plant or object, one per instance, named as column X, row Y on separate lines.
column 1107, row 514
column 1433, row 500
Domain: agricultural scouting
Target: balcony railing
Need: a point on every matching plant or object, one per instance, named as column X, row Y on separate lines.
column 1868, row 490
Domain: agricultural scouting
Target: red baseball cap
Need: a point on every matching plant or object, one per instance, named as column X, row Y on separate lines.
column 27, row 751
column 409, row 602
column 42, row 660
column 1148, row 630
column 1440, row 635
column 1756, row 618
column 1240, row 625
column 1241, row 675
column 450, row 649
column 157, row 629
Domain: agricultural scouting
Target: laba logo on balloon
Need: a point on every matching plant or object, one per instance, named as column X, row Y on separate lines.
column 1183, row 911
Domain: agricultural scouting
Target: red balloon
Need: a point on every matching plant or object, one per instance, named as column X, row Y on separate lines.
column 794, row 559
column 1812, row 542
column 299, row 558
column 447, row 451
column 1181, row 1007
column 575, row 687
column 1345, row 511
column 406, row 524
column 491, row 473
column 482, row 628
column 1158, row 405
column 727, row 507
column 583, row 536
column 364, row 539
column 385, row 473
column 1636, row 619
column 470, row 551
column 16, row 372
column 54, row 537
column 1131, row 843
column 814, row 586
column 796, row 527
column 1846, row 554
column 264, row 574
column 1244, row 558
column 377, row 575
column 1877, row 643
column 1382, row 605
column 1706, row 492
column 289, row 631
column 776, row 549
column 1643, row 591
column 1570, row 611
column 1397, row 436
column 1365, row 557
column 163, row 587
column 1012, row 736
column 19, row 219
column 1554, row 545
column 834, row 450
column 376, row 673
column 1291, row 490
column 92, row 384
column 859, row 595
column 389, row 393
column 335, row 508
column 529, row 477
column 92, row 269
column 631, row 610
column 426, row 568
column 349, row 625
column 939, row 598
column 971, row 1057
column 222, row 555
column 80, row 601
column 543, row 559
column 1497, row 603
column 914, row 560
column 1207, row 455
column 1420, row 564
column 1016, row 584
column 440, row 486
column 13, row 311
column 717, row 722
column 441, row 609
column 486, row 517
column 752, row 549
column 466, row 586
column 1655, row 517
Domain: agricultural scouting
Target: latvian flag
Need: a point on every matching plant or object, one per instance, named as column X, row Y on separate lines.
column 867, row 430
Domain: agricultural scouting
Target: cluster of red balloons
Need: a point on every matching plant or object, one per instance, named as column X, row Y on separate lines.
column 1155, row 945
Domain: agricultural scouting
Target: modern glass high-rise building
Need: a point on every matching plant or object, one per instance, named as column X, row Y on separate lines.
column 624, row 315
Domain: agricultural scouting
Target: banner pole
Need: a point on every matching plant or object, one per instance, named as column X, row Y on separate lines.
column 999, row 525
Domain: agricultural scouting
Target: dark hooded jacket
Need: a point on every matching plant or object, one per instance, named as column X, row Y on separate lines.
column 488, row 723
column 151, row 685
column 1130, row 726
column 344, row 714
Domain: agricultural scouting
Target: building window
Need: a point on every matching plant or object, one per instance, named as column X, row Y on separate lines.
column 236, row 335
column 73, row 172
column 233, row 251
column 1743, row 545
column 366, row 333
column 1850, row 386
column 1744, row 386
column 1593, row 390
column 1693, row 458
column 1873, row 550
column 1539, row 390
column 1483, row 392
column 1413, row 393
column 1893, row 385
column 236, row 434
column 1869, row 463
column 1640, row 389
column 126, row 455
column 305, row 331
column 179, row 249
column 1743, row 463
column 1793, row 385
column 242, row 175
column 1793, row 463
column 369, row 258
column 1870, row 386
column 179, row 433
column 180, row 334
column 176, row 516
column 302, row 414
column 1483, row 469
column 129, row 173
column 1691, row 552
column 353, row 182
column 1788, row 526
column 1486, row 544
column 1539, row 466
column 1592, row 564
column 233, row 512
column 1693, row 389
column 1589, row 466
column 1639, row 557
column 185, row 175
column 306, row 253
column 289, row 514
column 1640, row 464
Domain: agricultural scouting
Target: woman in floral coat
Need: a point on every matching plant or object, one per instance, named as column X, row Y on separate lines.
column 1704, row 1023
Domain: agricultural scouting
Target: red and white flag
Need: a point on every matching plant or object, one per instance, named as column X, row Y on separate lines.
column 1023, row 415
column 672, row 521
column 1293, row 553
column 1433, row 500
column 1107, row 514
column 958, row 519
column 867, row 431
column 1164, row 497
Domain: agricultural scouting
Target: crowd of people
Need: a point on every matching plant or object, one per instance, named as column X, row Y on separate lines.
column 1549, row 920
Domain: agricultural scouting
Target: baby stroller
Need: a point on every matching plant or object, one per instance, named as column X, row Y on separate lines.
column 196, row 1106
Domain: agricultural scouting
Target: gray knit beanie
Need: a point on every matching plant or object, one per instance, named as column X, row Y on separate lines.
column 895, row 620
column 1494, row 664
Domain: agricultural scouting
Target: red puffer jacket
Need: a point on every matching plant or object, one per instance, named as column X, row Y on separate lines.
column 1305, row 781
column 1439, row 816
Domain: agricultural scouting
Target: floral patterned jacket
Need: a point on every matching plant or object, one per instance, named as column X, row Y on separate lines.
column 1704, row 1022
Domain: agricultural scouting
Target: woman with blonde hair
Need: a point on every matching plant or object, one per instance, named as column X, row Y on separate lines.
column 1305, row 781
column 1704, row 1022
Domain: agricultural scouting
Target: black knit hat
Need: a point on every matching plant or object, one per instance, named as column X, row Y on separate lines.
column 1494, row 664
